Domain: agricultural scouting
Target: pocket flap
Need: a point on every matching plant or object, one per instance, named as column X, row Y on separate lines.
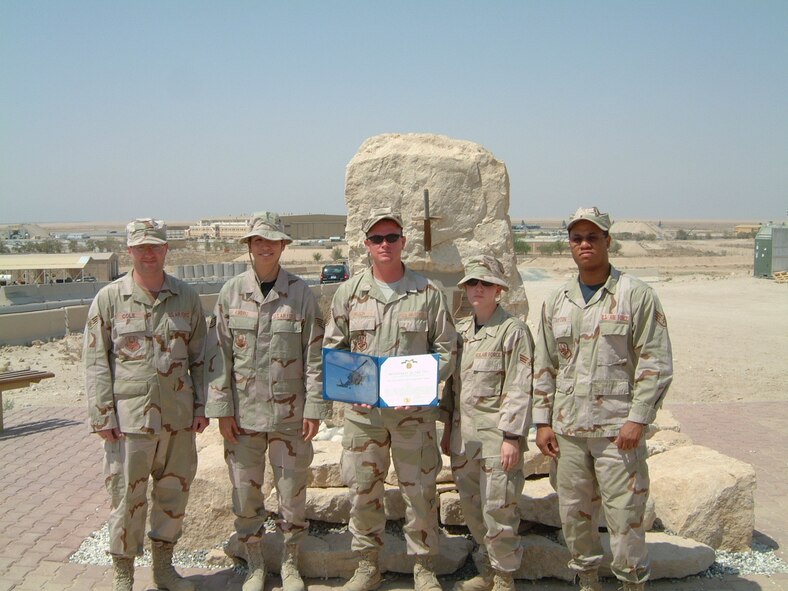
column 488, row 364
column 129, row 389
column 613, row 328
column 130, row 326
column 285, row 326
column 242, row 322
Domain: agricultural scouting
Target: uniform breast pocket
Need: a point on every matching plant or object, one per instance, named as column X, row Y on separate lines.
column 178, row 331
column 565, row 344
column 362, row 330
column 613, row 344
column 286, row 350
column 243, row 331
column 413, row 335
column 487, row 379
column 131, row 340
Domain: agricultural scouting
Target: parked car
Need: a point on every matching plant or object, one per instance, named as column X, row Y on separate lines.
column 334, row 273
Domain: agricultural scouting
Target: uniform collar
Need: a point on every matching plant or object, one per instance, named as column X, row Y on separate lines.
column 410, row 283
column 251, row 285
column 572, row 289
column 129, row 288
column 491, row 328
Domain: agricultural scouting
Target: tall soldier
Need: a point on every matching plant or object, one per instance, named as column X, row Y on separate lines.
column 390, row 310
column 265, row 387
column 143, row 352
column 603, row 367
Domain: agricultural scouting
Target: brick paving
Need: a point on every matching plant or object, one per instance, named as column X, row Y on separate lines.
column 52, row 497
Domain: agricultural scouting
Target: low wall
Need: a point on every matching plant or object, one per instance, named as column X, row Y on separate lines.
column 22, row 328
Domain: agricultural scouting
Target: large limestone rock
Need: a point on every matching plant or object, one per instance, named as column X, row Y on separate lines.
column 535, row 463
column 330, row 555
column 539, row 503
column 704, row 495
column 469, row 204
column 324, row 471
column 209, row 515
column 663, row 441
column 332, row 505
column 672, row 557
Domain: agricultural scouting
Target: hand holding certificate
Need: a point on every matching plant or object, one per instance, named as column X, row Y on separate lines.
column 407, row 380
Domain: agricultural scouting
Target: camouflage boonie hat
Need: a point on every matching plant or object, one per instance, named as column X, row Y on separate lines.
column 380, row 214
column 593, row 215
column 484, row 268
column 266, row 224
column 146, row 231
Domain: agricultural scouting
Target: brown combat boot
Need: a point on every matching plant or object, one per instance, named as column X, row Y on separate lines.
column 633, row 586
column 589, row 581
column 503, row 581
column 122, row 573
column 255, row 578
column 424, row 578
column 481, row 582
column 367, row 576
column 291, row 578
column 164, row 575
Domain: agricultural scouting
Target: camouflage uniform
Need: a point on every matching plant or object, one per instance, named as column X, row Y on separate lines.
column 598, row 365
column 144, row 376
column 415, row 321
column 265, row 371
column 491, row 396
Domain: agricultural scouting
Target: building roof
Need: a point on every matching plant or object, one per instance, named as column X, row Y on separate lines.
column 74, row 260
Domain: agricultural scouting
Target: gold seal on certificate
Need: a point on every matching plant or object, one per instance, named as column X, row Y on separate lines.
column 409, row 380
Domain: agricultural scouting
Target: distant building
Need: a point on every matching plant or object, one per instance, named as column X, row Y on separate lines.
column 299, row 227
column 59, row 268
column 746, row 230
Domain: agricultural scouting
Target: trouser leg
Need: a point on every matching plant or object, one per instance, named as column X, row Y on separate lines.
column 466, row 468
column 501, row 491
column 246, row 465
column 174, row 467
column 576, row 486
column 127, row 466
column 414, row 451
column 365, row 463
column 290, row 457
column 624, row 483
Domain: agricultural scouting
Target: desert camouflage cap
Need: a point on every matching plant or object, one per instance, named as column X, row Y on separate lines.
column 266, row 224
column 593, row 215
column 380, row 214
column 484, row 268
column 146, row 231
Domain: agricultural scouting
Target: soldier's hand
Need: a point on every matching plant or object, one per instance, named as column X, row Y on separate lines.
column 546, row 441
column 629, row 435
column 367, row 406
column 446, row 439
column 200, row 423
column 310, row 428
column 110, row 435
column 229, row 429
column 510, row 452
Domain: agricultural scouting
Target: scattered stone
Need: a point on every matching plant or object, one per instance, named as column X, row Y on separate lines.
column 704, row 495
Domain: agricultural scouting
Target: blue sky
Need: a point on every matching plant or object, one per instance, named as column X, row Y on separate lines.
column 181, row 110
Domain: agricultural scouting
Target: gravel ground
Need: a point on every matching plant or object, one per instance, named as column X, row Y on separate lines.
column 760, row 561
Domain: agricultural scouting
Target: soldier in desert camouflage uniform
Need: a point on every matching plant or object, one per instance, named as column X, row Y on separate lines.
column 265, row 387
column 143, row 353
column 488, row 414
column 389, row 310
column 603, row 366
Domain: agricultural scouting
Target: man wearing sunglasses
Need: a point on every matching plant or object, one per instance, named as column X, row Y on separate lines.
column 602, row 369
column 390, row 310
column 143, row 353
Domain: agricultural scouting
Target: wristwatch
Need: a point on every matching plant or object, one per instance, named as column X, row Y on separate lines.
column 511, row 437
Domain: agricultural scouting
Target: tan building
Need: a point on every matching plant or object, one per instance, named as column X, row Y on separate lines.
column 746, row 230
column 299, row 227
column 59, row 268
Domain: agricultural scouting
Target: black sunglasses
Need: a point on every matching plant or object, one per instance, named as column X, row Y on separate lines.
column 378, row 239
column 475, row 282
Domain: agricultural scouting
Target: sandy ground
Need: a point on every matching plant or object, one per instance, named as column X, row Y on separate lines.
column 729, row 329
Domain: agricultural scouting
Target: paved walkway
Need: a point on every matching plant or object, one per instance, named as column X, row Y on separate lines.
column 52, row 497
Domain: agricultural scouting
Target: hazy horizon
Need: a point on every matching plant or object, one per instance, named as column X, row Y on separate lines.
column 669, row 110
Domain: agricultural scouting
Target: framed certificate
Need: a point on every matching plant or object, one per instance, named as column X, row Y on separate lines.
column 406, row 380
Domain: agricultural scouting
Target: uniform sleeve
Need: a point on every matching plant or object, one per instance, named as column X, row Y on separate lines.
column 545, row 368
column 654, row 364
column 451, row 389
column 515, row 412
column 337, row 335
column 312, row 341
column 97, row 348
column 197, row 345
column 220, row 363
column 442, row 334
